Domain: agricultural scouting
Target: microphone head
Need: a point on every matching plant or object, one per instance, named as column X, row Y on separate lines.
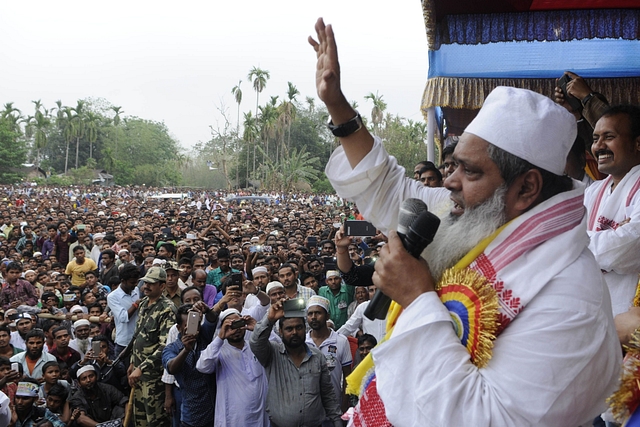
column 425, row 227
column 410, row 209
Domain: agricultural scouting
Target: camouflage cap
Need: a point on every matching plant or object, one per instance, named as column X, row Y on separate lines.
column 171, row 265
column 155, row 275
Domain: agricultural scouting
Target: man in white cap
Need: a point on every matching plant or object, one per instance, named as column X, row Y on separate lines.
column 97, row 402
column 27, row 413
column 516, row 233
column 81, row 330
column 339, row 295
column 334, row 346
column 242, row 382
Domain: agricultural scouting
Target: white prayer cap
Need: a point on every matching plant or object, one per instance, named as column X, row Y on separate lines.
column 255, row 239
column 528, row 125
column 99, row 236
column 29, row 271
column 35, row 254
column 101, row 213
column 76, row 308
column 273, row 285
column 228, row 312
column 332, row 273
column 84, row 369
column 260, row 269
column 319, row 301
column 81, row 322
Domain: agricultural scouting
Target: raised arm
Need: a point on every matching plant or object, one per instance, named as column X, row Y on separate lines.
column 357, row 145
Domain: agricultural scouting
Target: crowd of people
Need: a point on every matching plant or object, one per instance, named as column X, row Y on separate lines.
column 87, row 271
column 147, row 307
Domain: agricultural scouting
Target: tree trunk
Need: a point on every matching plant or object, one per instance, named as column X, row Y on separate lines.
column 77, row 150
column 66, row 158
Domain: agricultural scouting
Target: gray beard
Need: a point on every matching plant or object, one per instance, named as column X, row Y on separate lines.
column 456, row 236
column 83, row 344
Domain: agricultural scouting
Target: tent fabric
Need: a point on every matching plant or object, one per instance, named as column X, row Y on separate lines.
column 588, row 58
column 469, row 93
column 490, row 21
column 561, row 25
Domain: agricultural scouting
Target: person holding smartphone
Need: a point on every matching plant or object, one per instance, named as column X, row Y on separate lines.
column 241, row 380
column 179, row 359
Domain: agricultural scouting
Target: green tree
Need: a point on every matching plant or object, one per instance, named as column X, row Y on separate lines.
column 13, row 151
column 288, row 111
column 69, row 131
column 78, row 125
column 92, row 125
column 42, row 125
column 250, row 135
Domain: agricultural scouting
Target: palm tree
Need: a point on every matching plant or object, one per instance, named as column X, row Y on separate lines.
column 259, row 78
column 289, row 110
column 237, row 94
column 14, row 119
column 68, row 129
column 92, row 124
column 312, row 103
column 116, row 122
column 377, row 112
column 250, row 135
column 41, row 124
column 268, row 123
column 79, row 126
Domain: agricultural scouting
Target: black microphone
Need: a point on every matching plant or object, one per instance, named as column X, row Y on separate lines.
column 418, row 236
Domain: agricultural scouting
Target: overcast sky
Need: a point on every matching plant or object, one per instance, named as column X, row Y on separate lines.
column 176, row 61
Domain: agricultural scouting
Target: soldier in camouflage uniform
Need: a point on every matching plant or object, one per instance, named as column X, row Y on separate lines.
column 157, row 315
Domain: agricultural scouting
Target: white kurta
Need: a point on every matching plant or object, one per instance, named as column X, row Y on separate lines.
column 242, row 384
column 358, row 320
column 554, row 365
column 617, row 247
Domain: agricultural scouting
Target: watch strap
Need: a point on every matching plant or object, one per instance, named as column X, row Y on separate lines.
column 587, row 98
column 347, row 128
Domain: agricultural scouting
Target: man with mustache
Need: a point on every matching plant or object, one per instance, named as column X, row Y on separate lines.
column 613, row 204
column 515, row 233
column 300, row 390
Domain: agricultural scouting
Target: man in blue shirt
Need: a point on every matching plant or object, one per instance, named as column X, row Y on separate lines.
column 180, row 357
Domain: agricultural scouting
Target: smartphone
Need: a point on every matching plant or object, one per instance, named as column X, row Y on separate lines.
column 574, row 102
column 359, row 228
column 296, row 304
column 81, row 227
column 255, row 248
column 236, row 280
column 237, row 324
column 267, row 249
column 193, row 322
column 330, row 263
column 95, row 346
column 312, row 241
column 191, row 236
column 15, row 367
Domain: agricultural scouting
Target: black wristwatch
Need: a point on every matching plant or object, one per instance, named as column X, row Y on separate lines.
column 347, row 128
column 587, row 98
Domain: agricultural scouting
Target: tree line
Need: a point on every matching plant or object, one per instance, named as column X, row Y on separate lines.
column 282, row 144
